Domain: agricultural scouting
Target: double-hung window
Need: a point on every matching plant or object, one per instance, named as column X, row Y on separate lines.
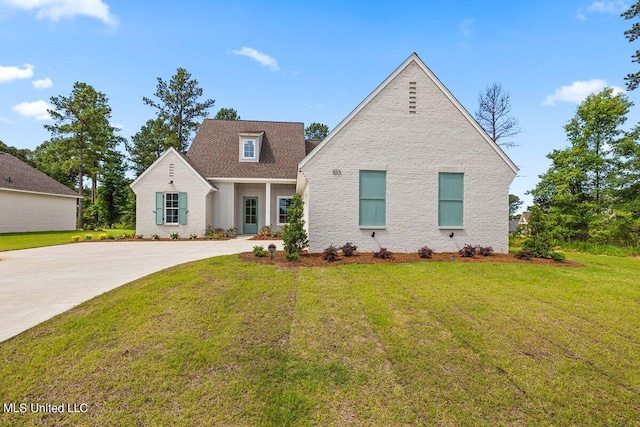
column 283, row 210
column 373, row 205
column 171, row 208
column 450, row 199
column 249, row 149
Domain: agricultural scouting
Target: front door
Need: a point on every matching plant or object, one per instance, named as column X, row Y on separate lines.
column 250, row 215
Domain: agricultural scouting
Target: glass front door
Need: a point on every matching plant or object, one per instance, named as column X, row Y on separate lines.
column 250, row 216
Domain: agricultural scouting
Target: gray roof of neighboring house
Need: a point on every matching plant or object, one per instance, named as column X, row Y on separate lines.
column 17, row 175
column 513, row 225
column 214, row 151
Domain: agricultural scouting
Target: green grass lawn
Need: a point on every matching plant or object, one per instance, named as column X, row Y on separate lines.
column 12, row 241
column 225, row 343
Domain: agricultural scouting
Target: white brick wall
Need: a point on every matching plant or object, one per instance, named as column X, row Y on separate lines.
column 36, row 212
column 184, row 179
column 413, row 149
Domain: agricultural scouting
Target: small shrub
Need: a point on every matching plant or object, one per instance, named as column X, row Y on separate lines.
column 174, row 236
column 383, row 253
column 259, row 251
column 293, row 256
column 485, row 250
column 193, row 236
column 76, row 238
column 330, row 254
column 88, row 237
column 121, row 236
column 348, row 249
column 102, row 236
column 524, row 254
column 557, row 256
column 294, row 236
column 231, row 233
column 155, row 237
column 468, row 251
column 425, row 252
column 139, row 236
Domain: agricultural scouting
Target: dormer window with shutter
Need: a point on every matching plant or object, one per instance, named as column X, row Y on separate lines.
column 249, row 146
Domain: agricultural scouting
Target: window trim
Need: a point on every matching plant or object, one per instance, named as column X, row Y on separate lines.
column 176, row 208
column 244, row 138
column 278, row 208
column 461, row 200
column 360, row 199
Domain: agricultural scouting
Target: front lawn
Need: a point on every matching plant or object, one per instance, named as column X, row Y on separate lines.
column 233, row 343
column 12, row 241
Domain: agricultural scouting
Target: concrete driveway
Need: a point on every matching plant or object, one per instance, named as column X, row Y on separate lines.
column 37, row 284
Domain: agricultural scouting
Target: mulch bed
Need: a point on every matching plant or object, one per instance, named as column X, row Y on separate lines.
column 315, row 260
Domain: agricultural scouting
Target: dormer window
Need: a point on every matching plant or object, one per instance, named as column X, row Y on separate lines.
column 249, row 151
column 249, row 147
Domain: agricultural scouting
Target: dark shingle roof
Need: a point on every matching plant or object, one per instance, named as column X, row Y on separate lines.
column 310, row 144
column 214, row 151
column 17, row 175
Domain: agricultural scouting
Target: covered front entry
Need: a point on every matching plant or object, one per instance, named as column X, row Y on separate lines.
column 250, row 215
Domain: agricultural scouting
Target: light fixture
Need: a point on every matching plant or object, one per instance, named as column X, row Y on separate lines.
column 451, row 235
column 373, row 234
column 171, row 182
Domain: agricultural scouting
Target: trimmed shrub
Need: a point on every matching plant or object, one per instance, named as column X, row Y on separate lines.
column 425, row 252
column 88, row 237
column 259, row 251
column 139, row 236
column 293, row 256
column 294, row 236
column 76, row 238
column 524, row 254
column 557, row 256
column 174, row 236
column 348, row 249
column 155, row 237
column 330, row 254
column 468, row 251
column 193, row 236
column 484, row 250
column 383, row 253
column 102, row 236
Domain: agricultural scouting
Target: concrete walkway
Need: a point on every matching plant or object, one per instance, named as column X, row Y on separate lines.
column 37, row 284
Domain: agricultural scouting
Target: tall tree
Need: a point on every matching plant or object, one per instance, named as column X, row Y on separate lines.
column 316, row 131
column 82, row 134
column 148, row 144
column 23, row 154
column 113, row 191
column 514, row 204
column 178, row 106
column 582, row 187
column 632, row 34
column 227, row 114
column 494, row 115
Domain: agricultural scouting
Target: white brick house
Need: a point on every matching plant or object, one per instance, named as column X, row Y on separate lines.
column 408, row 167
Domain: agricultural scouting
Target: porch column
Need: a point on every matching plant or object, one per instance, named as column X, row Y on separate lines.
column 267, row 204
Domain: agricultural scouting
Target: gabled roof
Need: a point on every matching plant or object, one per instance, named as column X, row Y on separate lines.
column 181, row 157
column 16, row 175
column 411, row 59
column 214, row 151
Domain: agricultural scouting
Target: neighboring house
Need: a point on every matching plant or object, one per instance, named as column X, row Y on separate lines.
column 523, row 223
column 33, row 201
column 237, row 173
column 408, row 167
column 513, row 226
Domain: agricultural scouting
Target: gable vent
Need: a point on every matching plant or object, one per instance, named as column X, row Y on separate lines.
column 412, row 97
column 170, row 170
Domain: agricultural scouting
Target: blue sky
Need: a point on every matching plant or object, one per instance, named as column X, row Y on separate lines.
column 312, row 61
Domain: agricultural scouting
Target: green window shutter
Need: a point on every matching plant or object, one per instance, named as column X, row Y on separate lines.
column 373, row 190
column 450, row 199
column 159, row 208
column 182, row 208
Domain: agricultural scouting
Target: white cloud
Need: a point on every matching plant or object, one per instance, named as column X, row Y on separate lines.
column 262, row 58
column 613, row 7
column 465, row 27
column 8, row 74
column 42, row 83
column 36, row 109
column 577, row 91
column 59, row 9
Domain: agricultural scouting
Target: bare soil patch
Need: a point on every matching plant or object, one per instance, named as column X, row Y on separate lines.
column 315, row 259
